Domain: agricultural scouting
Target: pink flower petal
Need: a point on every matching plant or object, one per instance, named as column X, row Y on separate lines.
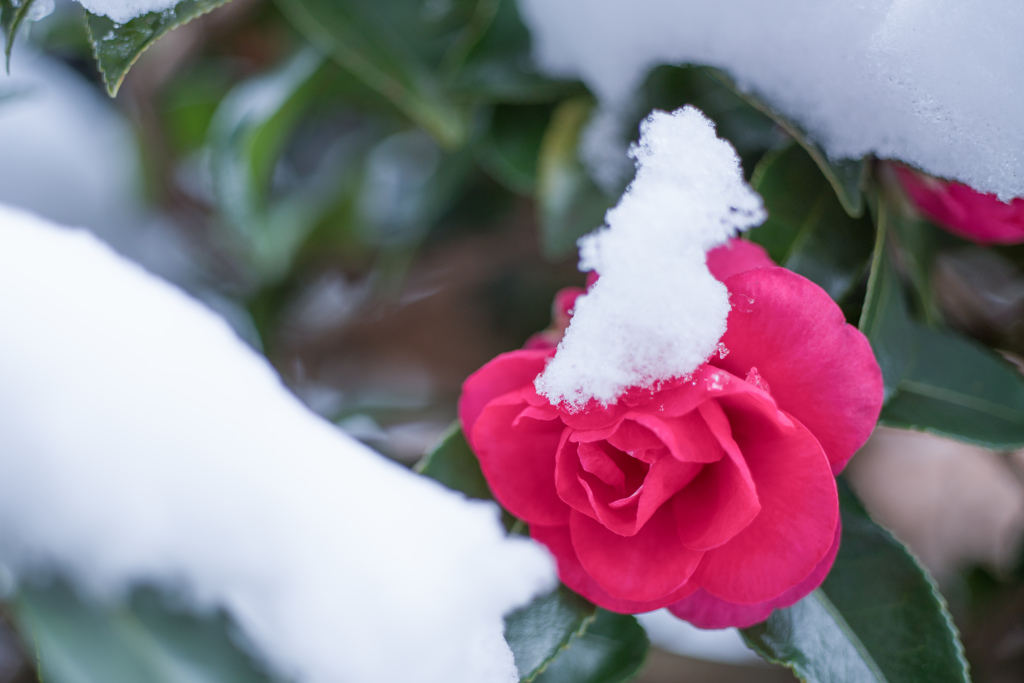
column 799, row 509
column 820, row 370
column 640, row 568
column 706, row 611
column 559, row 541
column 518, row 460
column 737, row 256
column 719, row 503
column 508, row 372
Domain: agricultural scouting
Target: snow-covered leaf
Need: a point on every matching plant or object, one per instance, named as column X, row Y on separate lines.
column 77, row 641
column 117, row 46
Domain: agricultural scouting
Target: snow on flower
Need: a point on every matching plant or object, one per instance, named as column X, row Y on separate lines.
column 713, row 494
column 656, row 312
column 141, row 441
column 979, row 217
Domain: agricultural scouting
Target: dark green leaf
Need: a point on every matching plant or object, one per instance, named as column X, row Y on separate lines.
column 538, row 632
column 11, row 18
column 117, row 46
column 611, row 650
column 915, row 242
column 400, row 49
column 878, row 618
column 885, row 319
column 846, row 176
column 957, row 388
column 512, row 145
column 499, row 68
column 141, row 640
column 749, row 130
column 807, row 230
column 570, row 203
column 454, row 464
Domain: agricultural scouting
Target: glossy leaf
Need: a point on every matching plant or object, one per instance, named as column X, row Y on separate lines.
column 400, row 49
column 141, row 640
column 936, row 380
column 885, row 319
column 914, row 240
column 118, row 46
column 611, row 650
column 454, row 464
column 957, row 388
column 570, row 204
column 12, row 16
column 847, row 177
column 540, row 631
column 877, row 618
column 807, row 229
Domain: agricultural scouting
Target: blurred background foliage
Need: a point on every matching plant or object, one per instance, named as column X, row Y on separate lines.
column 382, row 196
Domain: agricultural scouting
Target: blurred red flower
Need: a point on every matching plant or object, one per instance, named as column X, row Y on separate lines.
column 713, row 494
column 981, row 218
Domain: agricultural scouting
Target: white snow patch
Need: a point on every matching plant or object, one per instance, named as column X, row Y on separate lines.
column 656, row 312
column 936, row 83
column 671, row 633
column 140, row 440
column 123, row 11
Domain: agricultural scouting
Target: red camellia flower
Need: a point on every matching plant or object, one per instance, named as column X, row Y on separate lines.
column 712, row 494
column 978, row 217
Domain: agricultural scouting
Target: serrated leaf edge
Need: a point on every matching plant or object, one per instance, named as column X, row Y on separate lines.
column 584, row 625
column 113, row 87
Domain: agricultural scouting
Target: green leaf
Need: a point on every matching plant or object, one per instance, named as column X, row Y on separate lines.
column 877, row 618
column 453, row 463
column 570, row 204
column 141, row 640
column 847, row 177
column 245, row 139
column 11, row 18
column 511, row 148
column 611, row 650
column 540, row 631
column 957, row 388
column 807, row 230
column 936, row 380
column 915, row 242
column 499, row 68
column 400, row 49
column 117, row 46
column 885, row 320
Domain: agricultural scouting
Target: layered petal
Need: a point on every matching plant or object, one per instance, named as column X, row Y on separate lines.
column 706, row 611
column 640, row 568
column 820, row 370
column 799, row 508
column 517, row 456
column 507, row 372
column 559, row 541
column 719, row 503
